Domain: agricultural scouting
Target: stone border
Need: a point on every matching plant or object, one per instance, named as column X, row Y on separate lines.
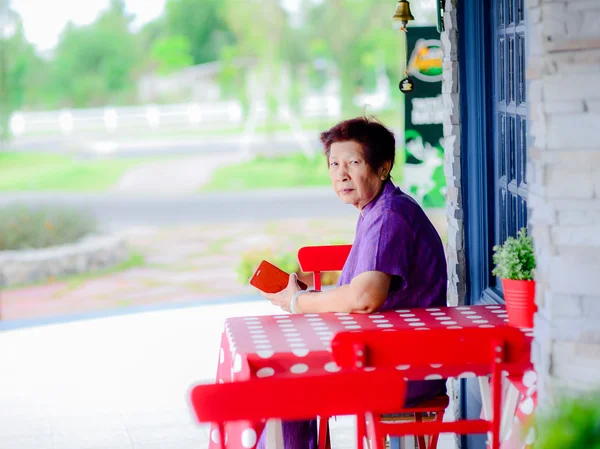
column 91, row 253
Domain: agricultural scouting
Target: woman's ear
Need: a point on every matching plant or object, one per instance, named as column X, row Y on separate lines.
column 384, row 171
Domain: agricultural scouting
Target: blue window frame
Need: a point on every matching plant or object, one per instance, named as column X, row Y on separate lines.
column 494, row 137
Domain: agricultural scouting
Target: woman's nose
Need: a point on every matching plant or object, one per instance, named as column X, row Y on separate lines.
column 342, row 175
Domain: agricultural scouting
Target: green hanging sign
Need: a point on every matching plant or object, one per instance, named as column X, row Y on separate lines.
column 423, row 170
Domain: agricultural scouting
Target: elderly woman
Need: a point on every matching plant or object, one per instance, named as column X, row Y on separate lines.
column 397, row 258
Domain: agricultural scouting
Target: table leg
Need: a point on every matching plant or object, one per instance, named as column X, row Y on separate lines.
column 274, row 437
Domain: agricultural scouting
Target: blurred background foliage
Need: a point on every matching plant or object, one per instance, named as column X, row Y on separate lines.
column 100, row 63
column 24, row 227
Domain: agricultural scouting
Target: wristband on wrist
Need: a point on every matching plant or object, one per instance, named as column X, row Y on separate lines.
column 295, row 299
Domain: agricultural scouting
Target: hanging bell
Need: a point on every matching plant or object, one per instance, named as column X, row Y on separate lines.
column 403, row 13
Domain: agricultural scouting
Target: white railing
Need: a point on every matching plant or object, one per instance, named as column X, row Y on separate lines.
column 147, row 117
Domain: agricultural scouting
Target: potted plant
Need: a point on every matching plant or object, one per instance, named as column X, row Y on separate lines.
column 515, row 264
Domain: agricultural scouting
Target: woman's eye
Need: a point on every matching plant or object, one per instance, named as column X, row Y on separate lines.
column 354, row 162
column 333, row 163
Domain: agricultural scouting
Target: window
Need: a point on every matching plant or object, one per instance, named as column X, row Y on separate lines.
column 510, row 120
column 510, row 111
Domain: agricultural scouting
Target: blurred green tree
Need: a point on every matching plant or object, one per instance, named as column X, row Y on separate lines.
column 94, row 64
column 351, row 32
column 171, row 53
column 202, row 23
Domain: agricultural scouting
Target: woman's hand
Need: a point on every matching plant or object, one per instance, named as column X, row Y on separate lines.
column 283, row 298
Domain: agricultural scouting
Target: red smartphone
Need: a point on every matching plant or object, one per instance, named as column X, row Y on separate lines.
column 270, row 279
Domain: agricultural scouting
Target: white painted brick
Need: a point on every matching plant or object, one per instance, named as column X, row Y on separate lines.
column 572, row 159
column 553, row 20
column 579, row 375
column 453, row 195
column 532, row 3
column 450, row 21
column 582, row 5
column 564, row 183
column 580, row 217
column 535, row 47
column 538, row 133
column 581, row 329
column 583, row 24
column 452, row 145
column 535, row 90
column 580, row 86
column 570, row 275
column 534, row 15
column 577, row 131
column 564, row 107
column 563, row 305
column 578, row 62
column 596, row 181
column 450, row 78
column 577, row 235
column 542, row 211
column 586, row 255
column 593, row 106
column 451, row 102
column 453, row 130
column 449, row 43
column 452, row 167
column 588, row 351
column 455, row 240
column 591, row 306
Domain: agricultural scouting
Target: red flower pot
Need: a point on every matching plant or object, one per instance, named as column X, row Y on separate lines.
column 520, row 302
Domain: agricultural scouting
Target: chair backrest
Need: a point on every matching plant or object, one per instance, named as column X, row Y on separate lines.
column 291, row 398
column 318, row 259
column 495, row 347
column 479, row 346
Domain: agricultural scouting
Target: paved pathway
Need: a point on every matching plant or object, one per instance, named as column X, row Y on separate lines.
column 118, row 382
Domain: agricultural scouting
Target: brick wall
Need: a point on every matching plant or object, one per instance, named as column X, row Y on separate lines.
column 563, row 72
column 450, row 95
column 454, row 248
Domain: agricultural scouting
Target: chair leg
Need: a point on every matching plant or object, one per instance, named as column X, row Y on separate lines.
column 222, row 435
column 433, row 439
column 420, row 438
column 496, row 407
column 361, row 431
column 324, row 438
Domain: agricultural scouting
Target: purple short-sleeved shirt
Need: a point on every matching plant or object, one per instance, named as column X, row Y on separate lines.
column 395, row 236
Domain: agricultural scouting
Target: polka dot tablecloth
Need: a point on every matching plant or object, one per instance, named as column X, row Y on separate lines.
column 293, row 345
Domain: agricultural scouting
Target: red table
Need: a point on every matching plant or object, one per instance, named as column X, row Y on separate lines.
column 292, row 345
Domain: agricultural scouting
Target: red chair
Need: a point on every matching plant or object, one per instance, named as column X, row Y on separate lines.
column 298, row 398
column 494, row 349
column 320, row 259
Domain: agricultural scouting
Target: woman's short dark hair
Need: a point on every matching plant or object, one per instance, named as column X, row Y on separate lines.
column 377, row 141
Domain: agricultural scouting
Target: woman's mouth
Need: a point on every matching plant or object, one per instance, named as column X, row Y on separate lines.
column 346, row 191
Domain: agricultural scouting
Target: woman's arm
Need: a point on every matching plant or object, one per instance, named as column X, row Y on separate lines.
column 366, row 293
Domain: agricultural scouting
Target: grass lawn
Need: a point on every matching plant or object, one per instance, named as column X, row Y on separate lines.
column 287, row 171
column 55, row 172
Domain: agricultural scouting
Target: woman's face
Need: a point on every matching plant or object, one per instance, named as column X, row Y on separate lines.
column 354, row 181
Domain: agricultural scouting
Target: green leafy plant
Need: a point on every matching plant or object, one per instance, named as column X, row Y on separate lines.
column 570, row 423
column 515, row 259
column 25, row 227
